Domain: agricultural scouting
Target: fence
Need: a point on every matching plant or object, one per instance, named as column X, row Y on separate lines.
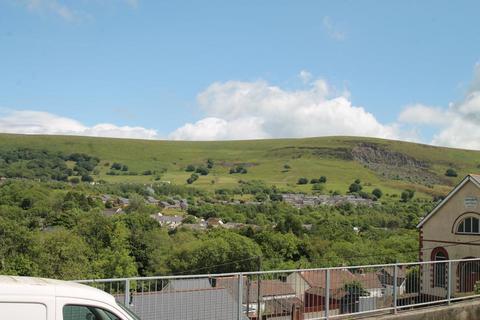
column 325, row 293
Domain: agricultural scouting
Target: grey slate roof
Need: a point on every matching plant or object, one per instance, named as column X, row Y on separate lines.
column 202, row 304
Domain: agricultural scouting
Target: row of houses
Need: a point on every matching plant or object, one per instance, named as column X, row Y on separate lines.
column 299, row 295
column 175, row 221
column 117, row 202
column 299, row 200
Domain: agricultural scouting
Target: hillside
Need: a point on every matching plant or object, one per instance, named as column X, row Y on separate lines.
column 391, row 165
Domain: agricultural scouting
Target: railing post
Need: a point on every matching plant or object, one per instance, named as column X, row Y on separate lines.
column 127, row 293
column 395, row 284
column 240, row 296
column 449, row 282
column 327, row 293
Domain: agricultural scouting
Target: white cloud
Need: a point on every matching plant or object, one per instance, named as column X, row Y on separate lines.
column 51, row 6
column 422, row 114
column 305, row 76
column 66, row 12
column 246, row 110
column 332, row 30
column 37, row 122
column 459, row 124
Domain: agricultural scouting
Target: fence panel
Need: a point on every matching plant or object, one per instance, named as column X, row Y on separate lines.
column 303, row 294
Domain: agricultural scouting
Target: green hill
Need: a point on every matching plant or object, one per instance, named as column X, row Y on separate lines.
column 391, row 165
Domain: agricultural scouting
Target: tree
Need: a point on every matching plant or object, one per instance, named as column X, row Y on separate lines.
column 220, row 251
column 302, row 181
column 124, row 168
column 116, row 166
column 202, row 170
column 64, row 255
column 377, row 193
column 190, row 168
column 355, row 187
column 193, row 178
column 74, row 180
column 313, row 181
column 407, row 195
column 357, row 181
column 87, row 178
column 115, row 261
column 210, row 163
column 322, row 179
column 451, row 172
column 318, row 187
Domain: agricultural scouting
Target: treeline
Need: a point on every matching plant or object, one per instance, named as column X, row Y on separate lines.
column 46, row 165
column 58, row 230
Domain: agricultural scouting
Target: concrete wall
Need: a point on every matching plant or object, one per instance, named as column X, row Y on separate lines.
column 469, row 310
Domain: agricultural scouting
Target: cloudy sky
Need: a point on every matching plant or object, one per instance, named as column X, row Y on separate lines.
column 207, row 70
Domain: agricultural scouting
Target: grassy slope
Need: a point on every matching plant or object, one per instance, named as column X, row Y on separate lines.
column 265, row 158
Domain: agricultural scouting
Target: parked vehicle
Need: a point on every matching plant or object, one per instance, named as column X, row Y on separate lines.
column 25, row 298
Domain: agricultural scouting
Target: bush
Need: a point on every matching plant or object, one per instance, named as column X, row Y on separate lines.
column 210, row 163
column 357, row 181
column 190, row 168
column 202, row 170
column 451, row 173
column 322, row 179
column 318, row 187
column 364, row 195
column 116, row 166
column 193, row 178
column 302, row 181
column 314, row 181
column 124, row 168
column 355, row 187
column 286, row 167
column 87, row 178
column 407, row 195
column 377, row 193
column 147, row 172
column 238, row 169
column 276, row 197
column 74, row 180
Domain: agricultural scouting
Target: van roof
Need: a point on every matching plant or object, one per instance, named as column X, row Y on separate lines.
column 28, row 286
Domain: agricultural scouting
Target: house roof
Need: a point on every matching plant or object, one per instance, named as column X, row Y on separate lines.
column 340, row 277
column 474, row 178
column 188, row 284
column 268, row 288
column 213, row 303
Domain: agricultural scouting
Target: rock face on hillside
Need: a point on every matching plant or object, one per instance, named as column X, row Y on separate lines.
column 393, row 164
column 369, row 153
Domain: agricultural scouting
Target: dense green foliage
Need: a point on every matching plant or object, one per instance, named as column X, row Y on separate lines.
column 53, row 222
column 56, row 229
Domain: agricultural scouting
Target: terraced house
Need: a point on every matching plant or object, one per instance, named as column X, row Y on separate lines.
column 452, row 231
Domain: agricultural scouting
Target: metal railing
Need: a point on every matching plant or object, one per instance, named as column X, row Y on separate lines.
column 323, row 293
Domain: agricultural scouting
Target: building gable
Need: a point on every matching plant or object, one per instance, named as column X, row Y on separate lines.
column 474, row 179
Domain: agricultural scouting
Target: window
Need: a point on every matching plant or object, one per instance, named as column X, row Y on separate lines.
column 76, row 312
column 469, row 225
column 439, row 269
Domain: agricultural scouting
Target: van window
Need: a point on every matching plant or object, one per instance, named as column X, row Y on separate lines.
column 77, row 312
column 23, row 311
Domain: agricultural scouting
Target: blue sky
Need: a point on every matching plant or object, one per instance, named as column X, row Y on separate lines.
column 241, row 69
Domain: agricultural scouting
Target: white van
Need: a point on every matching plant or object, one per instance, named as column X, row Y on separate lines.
column 24, row 298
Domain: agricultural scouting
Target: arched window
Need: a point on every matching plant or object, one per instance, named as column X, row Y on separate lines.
column 440, row 268
column 469, row 225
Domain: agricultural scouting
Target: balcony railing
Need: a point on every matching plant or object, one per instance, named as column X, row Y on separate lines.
column 323, row 293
